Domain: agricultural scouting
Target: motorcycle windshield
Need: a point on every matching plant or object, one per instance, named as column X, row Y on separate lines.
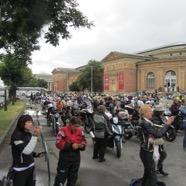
column 89, row 106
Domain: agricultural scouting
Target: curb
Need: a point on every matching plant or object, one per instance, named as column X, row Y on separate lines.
column 7, row 130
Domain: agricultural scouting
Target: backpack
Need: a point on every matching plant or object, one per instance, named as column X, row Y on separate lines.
column 99, row 125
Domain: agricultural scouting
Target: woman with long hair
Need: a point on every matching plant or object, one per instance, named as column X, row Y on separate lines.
column 148, row 151
column 23, row 143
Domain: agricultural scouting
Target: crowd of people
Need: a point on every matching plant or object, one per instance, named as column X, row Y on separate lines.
column 71, row 139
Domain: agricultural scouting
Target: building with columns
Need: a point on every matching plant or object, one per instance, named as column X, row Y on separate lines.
column 162, row 69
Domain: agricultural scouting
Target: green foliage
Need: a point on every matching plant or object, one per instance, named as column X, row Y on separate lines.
column 11, row 70
column 22, row 21
column 84, row 79
column 42, row 83
column 15, row 74
column 74, row 86
column 21, row 25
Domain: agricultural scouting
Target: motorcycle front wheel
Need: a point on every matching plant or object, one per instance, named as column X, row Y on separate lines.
column 118, row 148
column 170, row 135
column 56, row 129
column 50, row 121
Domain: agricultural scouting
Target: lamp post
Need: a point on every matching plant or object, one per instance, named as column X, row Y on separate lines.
column 5, row 99
column 91, row 79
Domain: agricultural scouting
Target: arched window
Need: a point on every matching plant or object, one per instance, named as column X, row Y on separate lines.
column 150, row 79
column 170, row 73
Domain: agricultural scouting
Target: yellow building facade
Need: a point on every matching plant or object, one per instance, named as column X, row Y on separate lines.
column 162, row 69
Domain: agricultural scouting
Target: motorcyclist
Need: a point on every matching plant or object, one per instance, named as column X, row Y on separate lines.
column 157, row 118
column 149, row 155
column 175, row 107
column 102, row 131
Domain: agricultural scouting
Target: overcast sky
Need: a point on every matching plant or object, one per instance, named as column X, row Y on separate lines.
column 126, row 26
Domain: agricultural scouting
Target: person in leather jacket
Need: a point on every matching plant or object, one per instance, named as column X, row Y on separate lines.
column 70, row 141
column 147, row 155
column 183, row 113
column 157, row 118
column 23, row 143
column 101, row 137
column 174, row 108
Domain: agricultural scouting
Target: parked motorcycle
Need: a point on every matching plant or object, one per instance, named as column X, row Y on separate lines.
column 56, row 124
column 170, row 135
column 178, row 122
column 50, row 119
column 130, row 127
column 115, row 141
column 66, row 114
column 86, row 116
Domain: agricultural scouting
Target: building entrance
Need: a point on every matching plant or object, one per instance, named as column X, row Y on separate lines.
column 170, row 82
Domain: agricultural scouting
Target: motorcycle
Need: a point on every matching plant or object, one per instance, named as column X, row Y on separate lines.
column 55, row 124
column 115, row 141
column 178, row 122
column 86, row 116
column 49, row 107
column 66, row 114
column 170, row 134
column 130, row 127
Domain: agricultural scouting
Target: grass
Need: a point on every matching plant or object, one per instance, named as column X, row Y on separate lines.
column 6, row 117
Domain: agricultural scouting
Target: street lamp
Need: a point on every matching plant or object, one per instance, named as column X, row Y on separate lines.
column 5, row 98
column 91, row 79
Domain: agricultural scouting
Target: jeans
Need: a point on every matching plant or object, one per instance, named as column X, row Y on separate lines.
column 149, row 176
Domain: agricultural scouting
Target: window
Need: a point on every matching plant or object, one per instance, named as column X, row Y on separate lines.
column 150, row 80
column 170, row 73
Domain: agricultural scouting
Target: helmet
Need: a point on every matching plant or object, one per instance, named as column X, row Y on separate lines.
column 123, row 114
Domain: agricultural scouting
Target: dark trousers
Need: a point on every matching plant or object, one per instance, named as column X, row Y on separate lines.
column 67, row 171
column 149, row 176
column 100, row 147
column 163, row 155
column 24, row 178
column 184, row 137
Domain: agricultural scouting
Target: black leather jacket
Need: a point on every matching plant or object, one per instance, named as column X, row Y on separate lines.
column 147, row 128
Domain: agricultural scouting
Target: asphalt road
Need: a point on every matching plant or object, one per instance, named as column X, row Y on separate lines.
column 113, row 172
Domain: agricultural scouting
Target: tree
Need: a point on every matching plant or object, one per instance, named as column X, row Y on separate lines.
column 11, row 72
column 22, row 21
column 42, row 83
column 84, row 79
column 74, row 86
